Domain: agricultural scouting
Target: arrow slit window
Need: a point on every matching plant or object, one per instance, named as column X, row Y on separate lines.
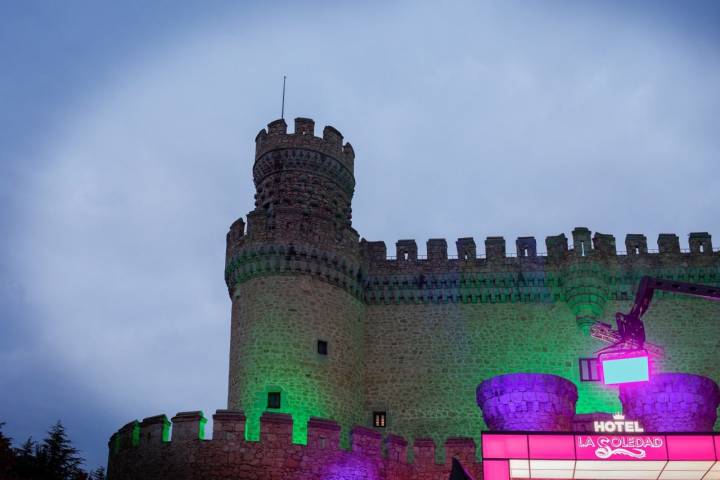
column 589, row 371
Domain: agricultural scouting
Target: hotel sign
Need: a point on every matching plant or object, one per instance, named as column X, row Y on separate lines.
column 618, row 425
column 625, row 447
column 640, row 456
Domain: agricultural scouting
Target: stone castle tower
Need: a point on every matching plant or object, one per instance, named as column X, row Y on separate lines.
column 295, row 280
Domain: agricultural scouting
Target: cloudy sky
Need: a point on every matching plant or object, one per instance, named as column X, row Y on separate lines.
column 126, row 147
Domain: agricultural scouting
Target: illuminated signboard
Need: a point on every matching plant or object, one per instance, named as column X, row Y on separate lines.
column 509, row 456
column 617, row 425
column 624, row 367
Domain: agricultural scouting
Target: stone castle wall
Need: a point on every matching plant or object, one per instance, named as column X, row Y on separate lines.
column 145, row 450
column 436, row 327
column 276, row 323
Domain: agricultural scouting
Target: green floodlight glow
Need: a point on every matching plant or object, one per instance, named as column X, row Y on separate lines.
column 626, row 369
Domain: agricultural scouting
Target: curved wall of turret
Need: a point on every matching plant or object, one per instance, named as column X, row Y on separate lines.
column 295, row 280
column 532, row 402
column 673, row 402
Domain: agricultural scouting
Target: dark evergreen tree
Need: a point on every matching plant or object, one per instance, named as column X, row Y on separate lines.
column 26, row 465
column 98, row 474
column 57, row 458
column 7, row 455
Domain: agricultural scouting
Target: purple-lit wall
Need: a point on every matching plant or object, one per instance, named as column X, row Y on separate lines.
column 527, row 402
column 672, row 402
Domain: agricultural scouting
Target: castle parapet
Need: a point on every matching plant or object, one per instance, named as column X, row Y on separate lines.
column 494, row 248
column 396, row 448
column 374, row 251
column 526, row 247
column 323, row 434
column 188, row 426
column 154, row 430
column 557, row 246
column 636, row 244
column 234, row 239
column 462, row 448
column 581, row 242
column 276, row 428
column 668, row 244
column 604, row 244
column 466, row 248
column 700, row 243
column 424, row 451
column 129, row 435
column 365, row 441
column 304, row 126
column 437, row 250
column 406, row 250
column 229, row 425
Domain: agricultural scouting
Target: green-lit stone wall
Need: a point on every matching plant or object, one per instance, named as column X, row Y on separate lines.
column 276, row 323
column 424, row 361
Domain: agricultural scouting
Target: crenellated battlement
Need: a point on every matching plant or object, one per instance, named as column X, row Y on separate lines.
column 584, row 274
column 276, row 137
column 557, row 248
column 144, row 449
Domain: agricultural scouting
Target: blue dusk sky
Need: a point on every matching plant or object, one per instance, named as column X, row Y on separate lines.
column 127, row 138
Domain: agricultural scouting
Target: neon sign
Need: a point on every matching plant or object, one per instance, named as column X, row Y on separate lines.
column 516, row 456
column 619, row 425
column 610, row 446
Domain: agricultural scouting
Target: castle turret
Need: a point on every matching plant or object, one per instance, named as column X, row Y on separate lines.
column 295, row 280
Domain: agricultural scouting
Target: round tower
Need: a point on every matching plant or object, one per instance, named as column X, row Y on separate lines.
column 295, row 281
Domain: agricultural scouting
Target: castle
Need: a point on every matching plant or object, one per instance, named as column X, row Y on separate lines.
column 341, row 356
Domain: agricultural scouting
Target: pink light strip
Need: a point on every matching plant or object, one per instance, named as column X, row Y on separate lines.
column 682, row 454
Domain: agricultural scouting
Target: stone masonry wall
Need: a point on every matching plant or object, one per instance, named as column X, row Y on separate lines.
column 439, row 325
column 276, row 323
column 141, row 450
column 424, row 362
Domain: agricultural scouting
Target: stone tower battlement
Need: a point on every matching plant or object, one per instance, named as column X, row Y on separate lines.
column 276, row 137
column 304, row 188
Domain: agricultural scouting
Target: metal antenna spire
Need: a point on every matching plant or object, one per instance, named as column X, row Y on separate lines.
column 282, row 112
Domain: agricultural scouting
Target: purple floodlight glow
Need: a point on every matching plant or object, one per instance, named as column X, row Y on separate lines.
column 617, row 368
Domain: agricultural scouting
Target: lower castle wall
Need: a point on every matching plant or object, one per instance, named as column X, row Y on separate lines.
column 138, row 452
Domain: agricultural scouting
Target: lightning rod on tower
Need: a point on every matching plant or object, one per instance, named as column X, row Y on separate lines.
column 282, row 111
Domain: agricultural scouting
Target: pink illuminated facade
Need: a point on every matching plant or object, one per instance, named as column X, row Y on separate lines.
column 634, row 456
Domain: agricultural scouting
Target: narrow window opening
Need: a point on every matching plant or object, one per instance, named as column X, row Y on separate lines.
column 702, row 248
column 379, row 419
column 589, row 370
column 322, row 347
column 637, row 250
column 405, row 256
column 273, row 400
column 582, row 249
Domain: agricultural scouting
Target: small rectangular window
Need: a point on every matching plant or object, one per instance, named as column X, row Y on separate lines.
column 379, row 419
column 273, row 400
column 589, row 371
column 322, row 347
